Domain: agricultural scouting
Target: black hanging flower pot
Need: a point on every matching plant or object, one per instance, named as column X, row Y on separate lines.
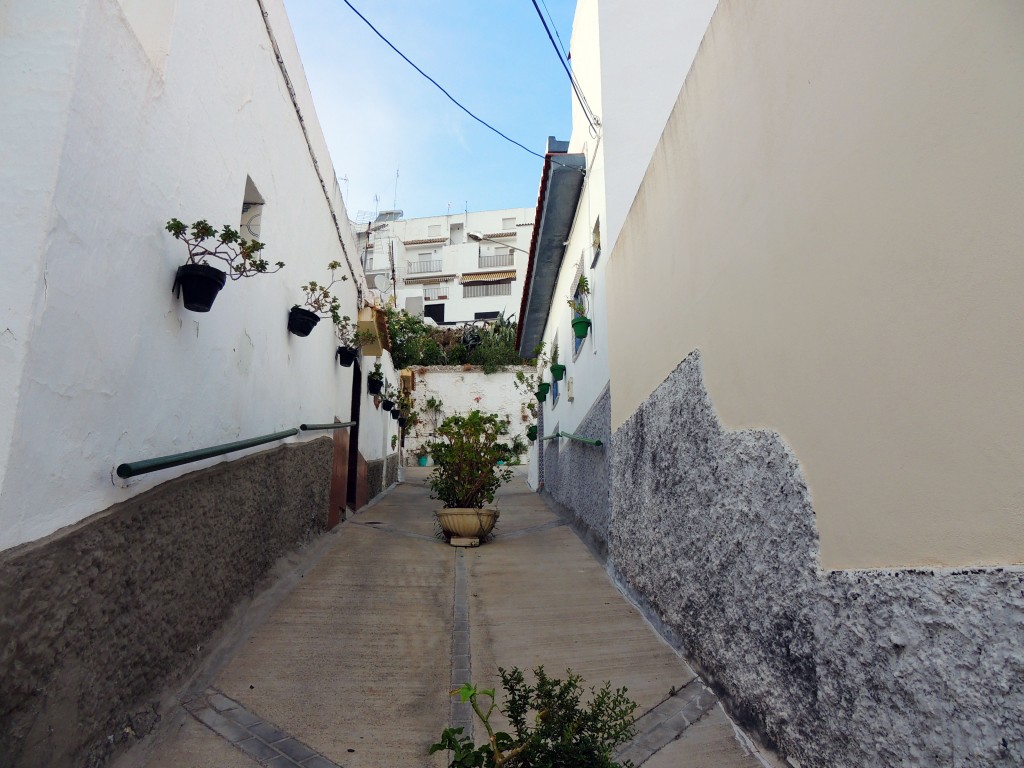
column 346, row 356
column 374, row 386
column 387, row 405
column 396, row 414
column 301, row 321
column 198, row 285
column 402, row 421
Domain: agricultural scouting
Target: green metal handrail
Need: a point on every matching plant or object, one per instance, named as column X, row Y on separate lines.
column 307, row 427
column 570, row 436
column 131, row 469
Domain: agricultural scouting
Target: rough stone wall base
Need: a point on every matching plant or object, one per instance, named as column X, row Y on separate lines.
column 98, row 618
column 381, row 474
column 714, row 531
column 577, row 476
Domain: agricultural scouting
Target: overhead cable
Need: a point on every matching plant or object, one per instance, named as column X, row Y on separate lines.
column 587, row 111
column 438, row 85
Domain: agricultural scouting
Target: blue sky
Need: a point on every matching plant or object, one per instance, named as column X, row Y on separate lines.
column 379, row 115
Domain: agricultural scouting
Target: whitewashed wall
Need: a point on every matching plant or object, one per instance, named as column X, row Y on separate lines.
column 463, row 391
column 106, row 136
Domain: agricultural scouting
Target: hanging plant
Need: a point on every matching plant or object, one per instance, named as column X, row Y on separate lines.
column 302, row 319
column 196, row 281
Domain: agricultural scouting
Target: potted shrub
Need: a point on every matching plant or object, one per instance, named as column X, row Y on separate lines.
column 319, row 303
column 557, row 370
column 351, row 339
column 196, row 281
column 468, row 472
column 580, row 303
column 375, row 380
column 422, row 454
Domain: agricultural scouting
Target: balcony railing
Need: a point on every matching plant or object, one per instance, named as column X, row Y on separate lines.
column 435, row 293
column 419, row 267
column 496, row 260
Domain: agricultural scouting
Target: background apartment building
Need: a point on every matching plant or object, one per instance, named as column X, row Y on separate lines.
column 453, row 269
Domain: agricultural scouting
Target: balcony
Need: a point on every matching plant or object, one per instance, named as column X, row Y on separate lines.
column 487, row 260
column 435, row 293
column 421, row 267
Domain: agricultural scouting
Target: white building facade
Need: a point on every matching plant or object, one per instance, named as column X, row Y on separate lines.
column 453, row 269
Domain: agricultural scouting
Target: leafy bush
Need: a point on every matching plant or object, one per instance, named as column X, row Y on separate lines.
column 490, row 345
column 467, row 455
column 563, row 734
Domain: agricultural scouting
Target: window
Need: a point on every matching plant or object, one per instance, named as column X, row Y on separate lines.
column 485, row 315
column 252, row 211
column 596, row 242
column 554, row 393
column 435, row 312
column 435, row 230
column 577, row 344
column 507, row 225
column 480, row 290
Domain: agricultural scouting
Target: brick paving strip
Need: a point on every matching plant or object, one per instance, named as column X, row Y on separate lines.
column 260, row 740
column 462, row 671
column 667, row 721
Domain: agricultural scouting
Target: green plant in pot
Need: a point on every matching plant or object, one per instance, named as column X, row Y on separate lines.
column 531, row 432
column 196, row 281
column 542, row 391
column 351, row 338
column 302, row 319
column 390, row 395
column 580, row 303
column 557, row 369
column 375, row 380
column 468, row 454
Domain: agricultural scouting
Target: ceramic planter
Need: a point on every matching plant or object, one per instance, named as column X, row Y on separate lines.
column 301, row 321
column 346, row 356
column 581, row 326
column 557, row 371
column 374, row 386
column 198, row 285
column 422, row 461
column 466, row 523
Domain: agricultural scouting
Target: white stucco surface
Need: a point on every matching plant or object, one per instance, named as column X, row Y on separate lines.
column 103, row 142
column 463, row 391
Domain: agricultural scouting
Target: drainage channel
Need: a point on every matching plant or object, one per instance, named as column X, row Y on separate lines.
column 462, row 672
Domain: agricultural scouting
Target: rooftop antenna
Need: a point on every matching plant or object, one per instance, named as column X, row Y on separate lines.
column 395, row 203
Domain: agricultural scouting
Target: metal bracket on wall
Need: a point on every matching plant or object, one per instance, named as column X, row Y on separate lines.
column 570, row 436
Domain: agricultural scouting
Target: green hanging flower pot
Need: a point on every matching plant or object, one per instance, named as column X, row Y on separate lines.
column 531, row 432
column 581, row 326
column 542, row 391
column 557, row 371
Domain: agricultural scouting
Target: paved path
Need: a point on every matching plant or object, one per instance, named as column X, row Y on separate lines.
column 353, row 665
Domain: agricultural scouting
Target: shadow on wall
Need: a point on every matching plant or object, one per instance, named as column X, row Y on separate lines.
column 714, row 533
column 97, row 619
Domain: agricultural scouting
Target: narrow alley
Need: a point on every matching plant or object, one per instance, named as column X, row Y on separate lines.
column 380, row 619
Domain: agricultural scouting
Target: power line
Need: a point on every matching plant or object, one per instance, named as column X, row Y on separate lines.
column 561, row 45
column 438, row 85
column 587, row 111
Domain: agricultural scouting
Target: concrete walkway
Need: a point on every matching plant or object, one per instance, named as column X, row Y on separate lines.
column 352, row 664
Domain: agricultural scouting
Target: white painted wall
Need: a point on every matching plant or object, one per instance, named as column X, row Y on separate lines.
column 463, row 391
column 103, row 142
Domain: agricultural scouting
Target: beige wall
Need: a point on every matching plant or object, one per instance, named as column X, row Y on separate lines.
column 835, row 217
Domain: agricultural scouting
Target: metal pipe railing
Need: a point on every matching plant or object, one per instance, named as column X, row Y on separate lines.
column 307, row 427
column 570, row 436
column 131, row 469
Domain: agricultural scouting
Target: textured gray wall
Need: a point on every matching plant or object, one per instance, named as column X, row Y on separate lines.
column 576, row 475
column 381, row 474
column 96, row 619
column 714, row 532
